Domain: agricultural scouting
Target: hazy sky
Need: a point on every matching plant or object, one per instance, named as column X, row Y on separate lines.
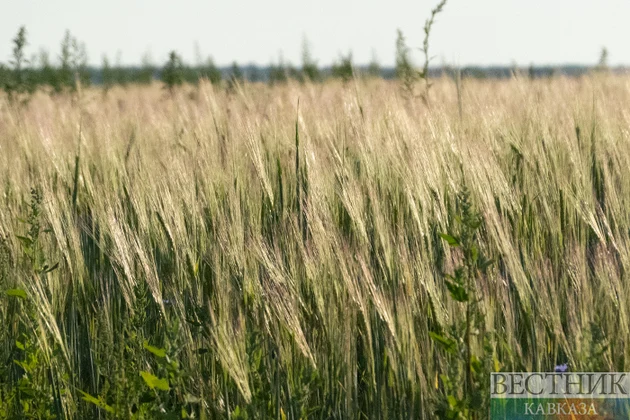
column 467, row 32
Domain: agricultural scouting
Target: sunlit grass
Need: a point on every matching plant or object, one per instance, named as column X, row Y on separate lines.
column 288, row 260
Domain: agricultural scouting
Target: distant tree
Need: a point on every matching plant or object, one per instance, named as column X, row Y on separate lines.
column 236, row 76
column 277, row 73
column 515, row 71
column 253, row 74
column 198, row 56
column 343, row 68
column 147, row 70
column 294, row 73
column 374, row 68
column 47, row 73
column 80, row 62
column 603, row 60
column 73, row 64
column 172, row 74
column 405, row 72
column 309, row 65
column 65, row 77
column 108, row 75
column 4, row 75
column 235, row 72
column 192, row 74
column 19, row 60
column 17, row 83
column 211, row 72
column 121, row 75
column 475, row 73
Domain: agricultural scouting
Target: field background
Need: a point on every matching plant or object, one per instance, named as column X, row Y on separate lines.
column 276, row 252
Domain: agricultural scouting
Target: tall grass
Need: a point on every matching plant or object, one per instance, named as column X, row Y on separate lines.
column 230, row 255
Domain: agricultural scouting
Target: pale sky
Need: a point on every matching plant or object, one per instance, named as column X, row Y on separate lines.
column 480, row 32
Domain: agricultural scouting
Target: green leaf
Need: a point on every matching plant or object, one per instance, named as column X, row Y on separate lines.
column 19, row 345
column 147, row 397
column 49, row 269
column 17, row 293
column 458, row 292
column 191, row 399
column 446, row 381
column 154, row 382
column 474, row 253
column 25, row 241
column 452, row 241
column 484, row 263
column 475, row 364
column 474, row 223
column 96, row 401
column 448, row 344
column 155, row 350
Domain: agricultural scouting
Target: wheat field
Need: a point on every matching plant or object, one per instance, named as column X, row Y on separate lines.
column 279, row 252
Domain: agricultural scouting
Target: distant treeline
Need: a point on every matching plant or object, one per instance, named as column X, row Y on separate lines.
column 269, row 73
column 23, row 74
column 57, row 77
